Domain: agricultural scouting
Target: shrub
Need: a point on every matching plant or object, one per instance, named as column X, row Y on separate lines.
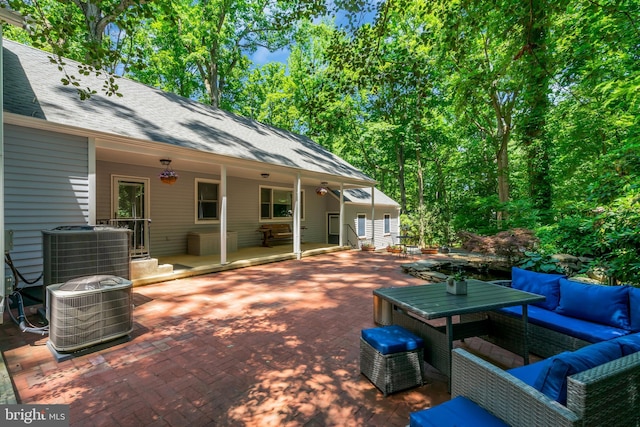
column 511, row 244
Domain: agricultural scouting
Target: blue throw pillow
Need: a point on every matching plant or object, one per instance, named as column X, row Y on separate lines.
column 607, row 305
column 552, row 381
column 634, row 308
column 544, row 284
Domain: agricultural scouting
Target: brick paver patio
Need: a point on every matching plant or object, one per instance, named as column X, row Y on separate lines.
column 271, row 345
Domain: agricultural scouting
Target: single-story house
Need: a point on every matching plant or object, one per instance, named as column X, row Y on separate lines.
column 69, row 162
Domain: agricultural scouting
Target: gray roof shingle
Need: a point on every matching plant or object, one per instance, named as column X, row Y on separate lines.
column 32, row 88
column 362, row 196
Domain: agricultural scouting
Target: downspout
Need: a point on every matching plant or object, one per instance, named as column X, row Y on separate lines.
column 2, row 288
column 223, row 214
column 296, row 217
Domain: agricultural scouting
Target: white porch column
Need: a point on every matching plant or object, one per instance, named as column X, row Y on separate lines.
column 342, row 214
column 296, row 217
column 223, row 214
column 373, row 217
column 91, row 162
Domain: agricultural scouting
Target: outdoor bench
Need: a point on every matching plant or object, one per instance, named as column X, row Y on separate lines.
column 596, row 385
column 275, row 232
column 573, row 315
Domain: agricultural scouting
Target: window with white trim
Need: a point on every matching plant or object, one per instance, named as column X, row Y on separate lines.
column 207, row 200
column 387, row 224
column 277, row 203
column 361, row 225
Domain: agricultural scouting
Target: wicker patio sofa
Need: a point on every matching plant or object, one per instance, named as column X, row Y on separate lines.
column 605, row 394
column 573, row 316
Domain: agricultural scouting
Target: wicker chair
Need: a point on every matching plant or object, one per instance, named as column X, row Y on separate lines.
column 604, row 395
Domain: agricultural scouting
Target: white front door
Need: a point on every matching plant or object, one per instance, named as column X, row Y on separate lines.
column 130, row 208
column 333, row 226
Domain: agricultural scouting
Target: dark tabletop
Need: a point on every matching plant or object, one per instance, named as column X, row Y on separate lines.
column 432, row 301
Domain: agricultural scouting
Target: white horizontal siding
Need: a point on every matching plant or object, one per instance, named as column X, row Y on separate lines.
column 376, row 232
column 46, row 186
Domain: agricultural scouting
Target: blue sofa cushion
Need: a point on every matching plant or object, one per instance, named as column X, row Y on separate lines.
column 544, row 284
column 553, row 380
column 459, row 412
column 578, row 328
column 608, row 305
column 392, row 339
column 634, row 308
column 629, row 344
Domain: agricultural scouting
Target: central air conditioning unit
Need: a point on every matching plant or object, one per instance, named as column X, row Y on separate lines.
column 89, row 310
column 75, row 251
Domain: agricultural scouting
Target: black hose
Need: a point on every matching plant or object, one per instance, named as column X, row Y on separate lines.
column 16, row 273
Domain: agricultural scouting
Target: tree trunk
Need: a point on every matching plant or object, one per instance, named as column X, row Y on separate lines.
column 442, row 199
column 536, row 88
column 503, row 133
column 502, row 159
column 401, row 184
column 420, row 177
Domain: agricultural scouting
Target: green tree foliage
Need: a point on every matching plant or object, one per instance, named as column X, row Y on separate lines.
column 266, row 95
column 92, row 32
column 197, row 47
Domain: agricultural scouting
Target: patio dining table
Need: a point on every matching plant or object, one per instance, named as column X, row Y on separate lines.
column 413, row 306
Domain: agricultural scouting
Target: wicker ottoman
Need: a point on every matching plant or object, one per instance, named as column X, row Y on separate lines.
column 391, row 358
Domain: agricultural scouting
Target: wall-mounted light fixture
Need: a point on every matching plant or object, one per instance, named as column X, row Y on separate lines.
column 264, row 175
column 322, row 190
column 168, row 175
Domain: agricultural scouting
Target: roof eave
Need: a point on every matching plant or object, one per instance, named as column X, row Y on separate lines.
column 11, row 17
column 118, row 142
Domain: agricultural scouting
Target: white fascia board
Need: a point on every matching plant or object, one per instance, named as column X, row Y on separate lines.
column 11, row 17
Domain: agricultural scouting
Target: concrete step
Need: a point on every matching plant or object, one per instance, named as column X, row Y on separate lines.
column 141, row 268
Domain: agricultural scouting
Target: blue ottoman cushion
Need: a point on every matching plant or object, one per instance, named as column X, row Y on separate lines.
column 392, row 339
column 459, row 412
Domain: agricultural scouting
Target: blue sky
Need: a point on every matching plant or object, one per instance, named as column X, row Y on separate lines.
column 263, row 56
